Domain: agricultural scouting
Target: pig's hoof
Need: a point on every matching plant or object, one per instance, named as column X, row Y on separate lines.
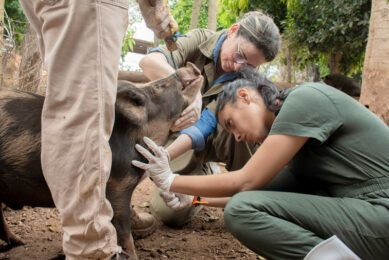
column 123, row 256
column 14, row 241
column 129, row 248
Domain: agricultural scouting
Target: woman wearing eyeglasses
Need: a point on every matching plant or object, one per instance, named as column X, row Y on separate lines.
column 254, row 40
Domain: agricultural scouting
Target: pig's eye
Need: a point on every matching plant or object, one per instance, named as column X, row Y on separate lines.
column 184, row 84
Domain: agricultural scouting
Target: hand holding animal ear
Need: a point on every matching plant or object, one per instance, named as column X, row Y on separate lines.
column 158, row 167
column 190, row 115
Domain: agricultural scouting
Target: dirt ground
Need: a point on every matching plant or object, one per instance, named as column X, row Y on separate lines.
column 205, row 237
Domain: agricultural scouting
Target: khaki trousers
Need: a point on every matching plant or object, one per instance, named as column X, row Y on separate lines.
column 80, row 42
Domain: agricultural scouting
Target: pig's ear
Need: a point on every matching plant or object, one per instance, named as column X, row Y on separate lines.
column 134, row 95
column 193, row 68
column 131, row 104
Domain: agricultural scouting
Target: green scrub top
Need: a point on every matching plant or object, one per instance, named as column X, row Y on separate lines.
column 348, row 147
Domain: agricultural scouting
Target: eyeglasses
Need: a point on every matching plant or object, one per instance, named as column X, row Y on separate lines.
column 238, row 57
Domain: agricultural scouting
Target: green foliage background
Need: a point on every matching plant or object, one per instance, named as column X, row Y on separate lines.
column 19, row 24
column 314, row 29
column 182, row 13
column 17, row 19
column 327, row 27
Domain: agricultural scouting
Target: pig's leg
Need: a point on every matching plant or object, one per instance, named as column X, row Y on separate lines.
column 5, row 233
column 120, row 198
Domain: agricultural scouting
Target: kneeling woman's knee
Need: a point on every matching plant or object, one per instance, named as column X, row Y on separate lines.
column 246, row 217
column 237, row 210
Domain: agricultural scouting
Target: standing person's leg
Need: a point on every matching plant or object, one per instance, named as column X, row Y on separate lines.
column 284, row 225
column 80, row 44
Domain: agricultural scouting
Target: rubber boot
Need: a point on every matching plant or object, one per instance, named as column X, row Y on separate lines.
column 142, row 224
column 331, row 249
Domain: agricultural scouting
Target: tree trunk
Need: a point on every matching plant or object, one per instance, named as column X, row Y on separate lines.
column 312, row 72
column 316, row 73
column 1, row 15
column 156, row 41
column 334, row 63
column 212, row 14
column 289, row 63
column 1, row 41
column 375, row 77
column 195, row 14
column 31, row 63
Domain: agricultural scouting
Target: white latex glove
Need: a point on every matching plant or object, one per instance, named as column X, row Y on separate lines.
column 190, row 115
column 176, row 201
column 157, row 17
column 158, row 166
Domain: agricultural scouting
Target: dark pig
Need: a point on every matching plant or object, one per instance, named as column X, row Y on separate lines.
column 347, row 85
column 148, row 110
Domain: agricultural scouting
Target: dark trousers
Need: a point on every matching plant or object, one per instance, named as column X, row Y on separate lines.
column 288, row 224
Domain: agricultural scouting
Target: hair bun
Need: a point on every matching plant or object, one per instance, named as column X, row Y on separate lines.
column 252, row 74
column 248, row 72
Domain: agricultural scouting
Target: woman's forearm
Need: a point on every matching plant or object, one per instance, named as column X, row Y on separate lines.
column 216, row 202
column 155, row 66
column 204, row 186
column 182, row 144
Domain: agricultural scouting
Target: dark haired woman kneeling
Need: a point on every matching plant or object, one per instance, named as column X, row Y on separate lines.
column 335, row 150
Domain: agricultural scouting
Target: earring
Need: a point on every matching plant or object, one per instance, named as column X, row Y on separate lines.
column 241, row 91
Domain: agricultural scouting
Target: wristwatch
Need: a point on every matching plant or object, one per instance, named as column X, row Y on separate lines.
column 197, row 201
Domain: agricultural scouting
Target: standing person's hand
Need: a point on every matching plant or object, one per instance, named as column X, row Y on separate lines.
column 158, row 166
column 176, row 201
column 190, row 115
column 158, row 18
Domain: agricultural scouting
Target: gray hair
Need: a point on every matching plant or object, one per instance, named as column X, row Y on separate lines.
column 249, row 78
column 261, row 30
